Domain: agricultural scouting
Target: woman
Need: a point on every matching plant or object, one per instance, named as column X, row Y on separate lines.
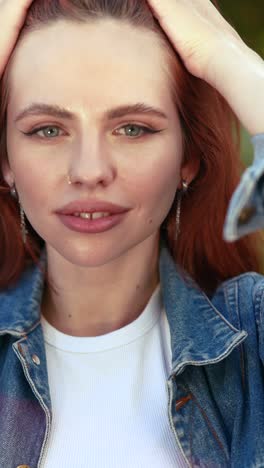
column 134, row 340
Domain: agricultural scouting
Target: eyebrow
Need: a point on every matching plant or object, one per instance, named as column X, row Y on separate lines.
column 36, row 109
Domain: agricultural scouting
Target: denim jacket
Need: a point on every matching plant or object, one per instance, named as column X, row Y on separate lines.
column 215, row 387
column 246, row 209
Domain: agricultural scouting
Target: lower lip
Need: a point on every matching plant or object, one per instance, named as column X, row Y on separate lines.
column 92, row 226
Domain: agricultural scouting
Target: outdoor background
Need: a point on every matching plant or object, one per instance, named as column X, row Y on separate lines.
column 247, row 17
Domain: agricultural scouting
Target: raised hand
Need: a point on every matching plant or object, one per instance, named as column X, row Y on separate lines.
column 212, row 50
column 197, row 30
column 12, row 16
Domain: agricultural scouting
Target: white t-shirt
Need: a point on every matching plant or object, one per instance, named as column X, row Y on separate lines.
column 109, row 397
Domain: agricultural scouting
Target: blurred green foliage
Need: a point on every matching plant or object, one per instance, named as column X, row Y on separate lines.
column 247, row 17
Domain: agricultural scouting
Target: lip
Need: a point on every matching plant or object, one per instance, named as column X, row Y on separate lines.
column 91, row 206
column 92, row 226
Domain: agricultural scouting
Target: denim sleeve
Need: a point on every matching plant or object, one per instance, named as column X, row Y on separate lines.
column 245, row 212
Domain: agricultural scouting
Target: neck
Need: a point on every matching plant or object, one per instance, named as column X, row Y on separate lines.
column 95, row 301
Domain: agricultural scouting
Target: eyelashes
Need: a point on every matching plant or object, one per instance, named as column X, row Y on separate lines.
column 146, row 130
column 34, row 132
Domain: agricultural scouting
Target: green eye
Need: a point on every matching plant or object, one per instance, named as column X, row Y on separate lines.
column 50, row 132
column 133, row 130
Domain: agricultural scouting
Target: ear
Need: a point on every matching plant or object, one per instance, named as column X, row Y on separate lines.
column 7, row 173
column 190, row 170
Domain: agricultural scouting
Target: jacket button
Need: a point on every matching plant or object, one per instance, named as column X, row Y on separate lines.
column 36, row 360
column 23, row 466
column 246, row 214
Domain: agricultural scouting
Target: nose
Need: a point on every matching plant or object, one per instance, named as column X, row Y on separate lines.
column 91, row 164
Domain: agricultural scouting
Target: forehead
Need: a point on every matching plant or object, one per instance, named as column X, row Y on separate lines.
column 93, row 63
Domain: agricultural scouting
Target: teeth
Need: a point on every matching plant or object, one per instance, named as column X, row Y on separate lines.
column 91, row 215
column 99, row 215
column 85, row 215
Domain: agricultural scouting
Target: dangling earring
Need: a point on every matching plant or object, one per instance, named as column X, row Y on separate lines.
column 24, row 230
column 180, row 193
column 23, row 227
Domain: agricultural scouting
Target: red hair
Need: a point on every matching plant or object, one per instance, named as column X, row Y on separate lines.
column 207, row 123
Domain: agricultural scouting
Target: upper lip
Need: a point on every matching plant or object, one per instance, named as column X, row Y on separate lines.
column 91, row 206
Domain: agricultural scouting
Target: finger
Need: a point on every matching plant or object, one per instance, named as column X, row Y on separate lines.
column 12, row 16
column 196, row 29
column 179, row 19
column 182, row 13
column 13, row 13
column 209, row 10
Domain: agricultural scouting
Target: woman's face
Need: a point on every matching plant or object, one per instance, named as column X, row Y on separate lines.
column 89, row 69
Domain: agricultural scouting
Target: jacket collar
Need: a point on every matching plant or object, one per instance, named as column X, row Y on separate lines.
column 20, row 304
column 199, row 333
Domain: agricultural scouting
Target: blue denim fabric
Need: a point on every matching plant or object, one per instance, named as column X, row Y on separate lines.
column 246, row 209
column 215, row 389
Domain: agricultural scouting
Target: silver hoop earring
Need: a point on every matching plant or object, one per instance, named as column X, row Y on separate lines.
column 23, row 227
column 180, row 194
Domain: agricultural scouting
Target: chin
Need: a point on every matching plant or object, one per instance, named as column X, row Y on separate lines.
column 86, row 256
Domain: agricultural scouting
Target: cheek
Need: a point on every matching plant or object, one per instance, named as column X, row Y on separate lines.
column 35, row 189
column 32, row 179
column 155, row 185
column 163, row 185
